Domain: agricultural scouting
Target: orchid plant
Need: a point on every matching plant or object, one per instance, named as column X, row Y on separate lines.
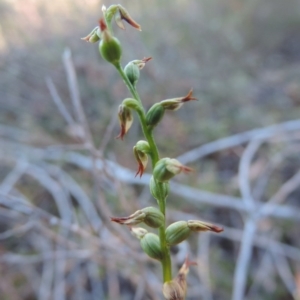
column 156, row 246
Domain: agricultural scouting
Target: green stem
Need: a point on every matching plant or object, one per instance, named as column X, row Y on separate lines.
column 147, row 133
column 166, row 261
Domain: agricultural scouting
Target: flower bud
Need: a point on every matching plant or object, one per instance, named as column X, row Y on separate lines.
column 154, row 218
column 138, row 232
column 125, row 120
column 166, row 168
column 132, row 72
column 173, row 291
column 141, row 151
column 151, row 245
column 154, row 115
column 196, row 225
column 176, row 289
column 151, row 216
column 142, row 62
column 176, row 103
column 159, row 190
column 182, row 273
column 93, row 36
column 118, row 19
column 125, row 16
column 109, row 46
column 177, row 232
column 142, row 159
column 131, row 103
column 120, row 14
column 132, row 69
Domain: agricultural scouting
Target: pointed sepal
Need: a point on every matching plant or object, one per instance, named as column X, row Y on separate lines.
column 176, row 103
column 125, row 119
column 151, row 216
column 141, row 151
column 166, row 168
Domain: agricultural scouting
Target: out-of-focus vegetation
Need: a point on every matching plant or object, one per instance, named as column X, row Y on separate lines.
column 241, row 57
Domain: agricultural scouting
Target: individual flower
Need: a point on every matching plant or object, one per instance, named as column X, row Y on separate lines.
column 176, row 103
column 151, row 216
column 149, row 241
column 154, row 115
column 109, row 46
column 166, row 168
column 123, row 14
column 141, row 151
column 125, row 120
column 120, row 14
column 181, row 230
column 93, row 36
column 177, row 287
column 132, row 69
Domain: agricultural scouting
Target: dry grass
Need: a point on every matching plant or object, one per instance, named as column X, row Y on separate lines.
column 57, row 192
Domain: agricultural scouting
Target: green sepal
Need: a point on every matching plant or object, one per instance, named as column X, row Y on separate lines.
column 110, row 12
column 111, row 50
column 132, row 103
column 154, row 218
column 162, row 172
column 132, row 72
column 154, row 115
column 159, row 190
column 151, row 246
column 177, row 232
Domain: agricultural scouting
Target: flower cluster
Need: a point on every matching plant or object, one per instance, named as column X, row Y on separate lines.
column 155, row 245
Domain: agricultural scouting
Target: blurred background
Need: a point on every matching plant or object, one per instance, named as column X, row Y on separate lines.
column 57, row 191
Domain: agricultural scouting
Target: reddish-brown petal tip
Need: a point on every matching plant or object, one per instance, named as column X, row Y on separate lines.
column 119, row 220
column 146, row 59
column 216, row 228
column 113, row 219
column 122, row 133
column 102, row 24
column 188, row 262
column 125, row 16
column 185, row 267
column 140, row 170
column 133, row 24
column 186, row 169
column 189, row 96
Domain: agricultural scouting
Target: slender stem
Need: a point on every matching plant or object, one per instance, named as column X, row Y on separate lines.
column 147, row 133
column 166, row 260
column 128, row 83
